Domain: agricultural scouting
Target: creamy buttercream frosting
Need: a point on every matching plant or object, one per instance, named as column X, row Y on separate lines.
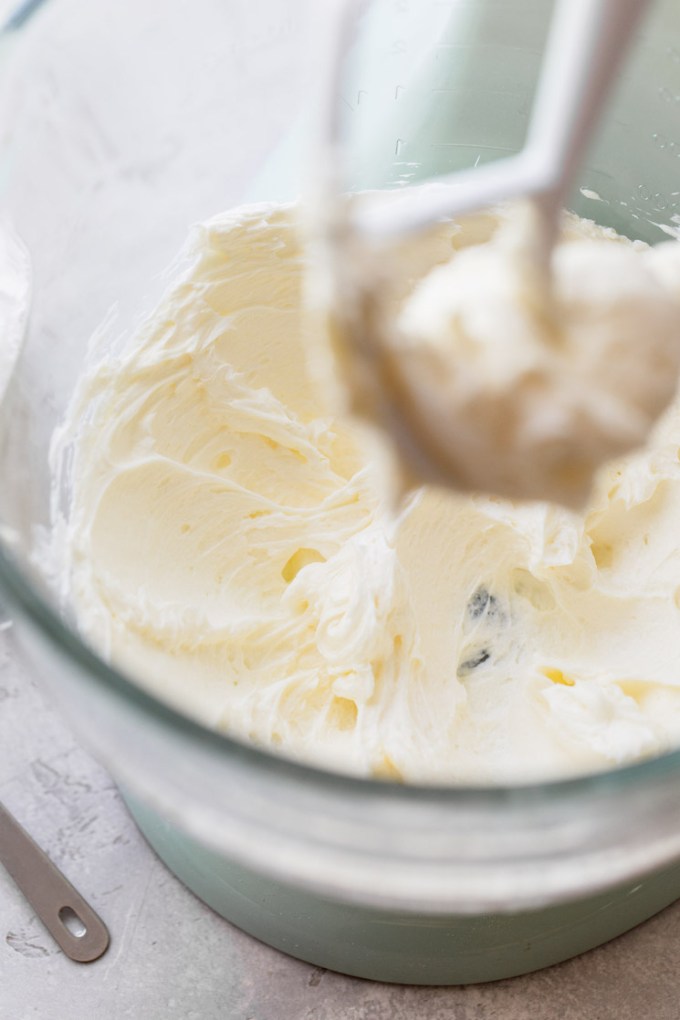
column 233, row 545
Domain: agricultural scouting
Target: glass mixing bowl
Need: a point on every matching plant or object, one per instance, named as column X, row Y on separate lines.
column 124, row 122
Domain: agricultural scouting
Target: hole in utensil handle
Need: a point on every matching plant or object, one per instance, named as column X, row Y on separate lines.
column 72, row 922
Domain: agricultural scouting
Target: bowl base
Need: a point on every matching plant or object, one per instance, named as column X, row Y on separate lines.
column 397, row 947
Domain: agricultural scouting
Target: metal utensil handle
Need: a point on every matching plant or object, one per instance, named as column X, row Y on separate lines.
column 71, row 922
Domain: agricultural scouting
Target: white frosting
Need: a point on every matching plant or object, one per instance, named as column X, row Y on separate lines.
column 229, row 544
column 506, row 382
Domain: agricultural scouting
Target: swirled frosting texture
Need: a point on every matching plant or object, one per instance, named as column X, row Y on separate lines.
column 230, row 545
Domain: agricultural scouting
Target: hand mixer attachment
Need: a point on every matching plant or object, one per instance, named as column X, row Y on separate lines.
column 587, row 42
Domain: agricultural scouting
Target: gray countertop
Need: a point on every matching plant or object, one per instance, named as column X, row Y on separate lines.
column 172, row 957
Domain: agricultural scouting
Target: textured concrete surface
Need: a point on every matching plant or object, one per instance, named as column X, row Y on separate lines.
column 171, row 957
